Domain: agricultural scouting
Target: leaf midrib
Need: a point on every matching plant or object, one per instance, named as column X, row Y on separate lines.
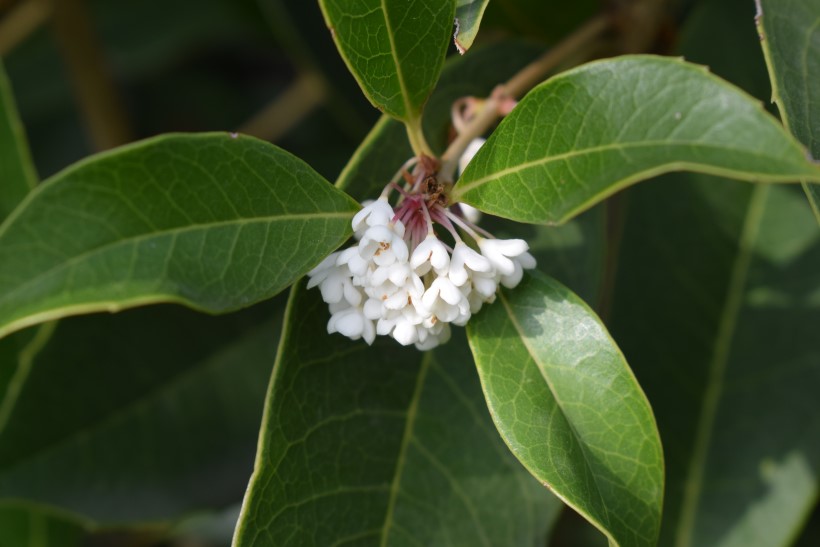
column 409, row 112
column 412, row 412
column 25, row 361
column 208, row 363
column 718, row 366
column 460, row 190
column 532, row 355
column 163, row 233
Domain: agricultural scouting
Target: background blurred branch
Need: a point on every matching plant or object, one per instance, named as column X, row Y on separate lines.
column 94, row 89
column 288, row 108
column 21, row 20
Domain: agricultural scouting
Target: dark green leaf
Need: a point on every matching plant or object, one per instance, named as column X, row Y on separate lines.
column 572, row 253
column 567, row 145
column 382, row 446
column 732, row 371
column 790, row 36
column 394, row 48
column 22, row 526
column 468, row 19
column 681, row 251
column 791, row 42
column 212, row 221
column 378, row 158
column 17, row 174
column 567, row 405
column 142, row 416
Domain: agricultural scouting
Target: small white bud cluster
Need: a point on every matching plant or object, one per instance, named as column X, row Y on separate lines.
column 401, row 280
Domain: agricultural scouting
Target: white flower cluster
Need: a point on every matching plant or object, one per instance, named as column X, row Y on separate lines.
column 401, row 282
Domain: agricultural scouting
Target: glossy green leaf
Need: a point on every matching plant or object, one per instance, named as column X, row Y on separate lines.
column 382, row 445
column 354, row 371
column 732, row 373
column 394, row 48
column 386, row 147
column 566, row 147
column 143, row 416
column 17, row 174
column 573, row 253
column 468, row 19
column 790, row 36
column 566, row 403
column 22, row 526
column 213, row 221
column 381, row 154
column 723, row 376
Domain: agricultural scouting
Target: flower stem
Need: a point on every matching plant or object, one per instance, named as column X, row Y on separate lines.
column 416, row 137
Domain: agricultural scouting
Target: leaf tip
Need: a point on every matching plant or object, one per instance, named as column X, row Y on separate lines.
column 459, row 46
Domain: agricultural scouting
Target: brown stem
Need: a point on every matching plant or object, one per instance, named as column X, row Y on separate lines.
column 291, row 106
column 519, row 84
column 94, row 89
column 532, row 74
column 20, row 22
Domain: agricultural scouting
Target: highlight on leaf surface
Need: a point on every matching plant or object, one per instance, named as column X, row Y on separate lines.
column 394, row 48
column 568, row 406
column 212, row 221
column 584, row 134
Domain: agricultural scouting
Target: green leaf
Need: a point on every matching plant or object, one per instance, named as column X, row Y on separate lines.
column 567, row 405
column 357, row 378
column 732, row 372
column 386, row 147
column 394, row 48
column 572, row 253
column 681, row 251
column 791, row 44
column 468, row 19
column 139, row 417
column 17, row 174
column 566, row 146
column 383, row 151
column 382, row 445
column 212, row 221
column 790, row 31
column 25, row 526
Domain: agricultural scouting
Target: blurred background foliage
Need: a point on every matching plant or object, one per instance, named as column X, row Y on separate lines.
column 91, row 74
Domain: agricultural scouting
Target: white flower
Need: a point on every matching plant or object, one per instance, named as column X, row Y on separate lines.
column 323, row 268
column 374, row 213
column 434, row 337
column 352, row 323
column 470, row 152
column 353, row 260
column 384, row 244
column 430, row 253
column 484, row 284
column 470, row 213
column 445, row 302
column 500, row 251
column 334, row 281
column 463, row 258
column 524, row 261
column 405, row 333
column 380, row 286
